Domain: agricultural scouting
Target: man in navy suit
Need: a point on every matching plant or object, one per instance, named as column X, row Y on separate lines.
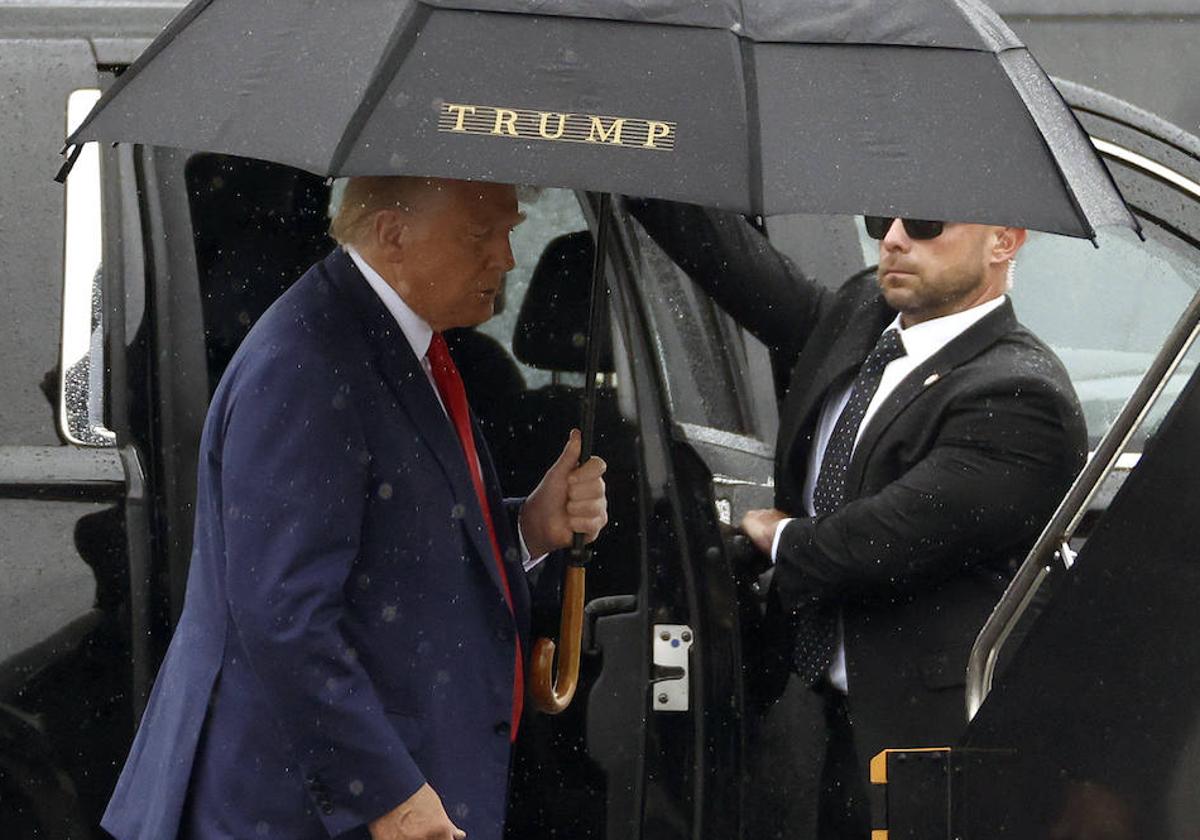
column 349, row 661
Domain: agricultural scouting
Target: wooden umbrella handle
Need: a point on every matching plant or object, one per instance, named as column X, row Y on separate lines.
column 552, row 693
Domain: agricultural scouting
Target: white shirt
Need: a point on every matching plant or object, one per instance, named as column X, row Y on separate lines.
column 419, row 335
column 921, row 341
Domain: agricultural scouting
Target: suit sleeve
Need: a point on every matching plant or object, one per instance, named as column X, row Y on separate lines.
column 998, row 468
column 739, row 268
column 294, row 481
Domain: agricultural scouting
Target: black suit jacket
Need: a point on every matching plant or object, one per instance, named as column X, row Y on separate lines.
column 950, row 483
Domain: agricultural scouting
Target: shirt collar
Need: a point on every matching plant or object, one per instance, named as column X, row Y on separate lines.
column 414, row 327
column 926, row 338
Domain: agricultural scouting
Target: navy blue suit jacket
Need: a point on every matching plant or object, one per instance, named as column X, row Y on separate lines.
column 345, row 637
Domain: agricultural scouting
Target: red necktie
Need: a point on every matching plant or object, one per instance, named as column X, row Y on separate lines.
column 454, row 397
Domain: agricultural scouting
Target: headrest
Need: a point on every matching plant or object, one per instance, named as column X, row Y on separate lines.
column 553, row 321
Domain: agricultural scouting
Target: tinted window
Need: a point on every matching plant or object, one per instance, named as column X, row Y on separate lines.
column 548, row 213
column 694, row 342
column 1106, row 312
column 257, row 227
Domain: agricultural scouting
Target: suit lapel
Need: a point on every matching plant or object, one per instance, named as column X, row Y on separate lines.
column 402, row 372
column 966, row 346
column 845, row 357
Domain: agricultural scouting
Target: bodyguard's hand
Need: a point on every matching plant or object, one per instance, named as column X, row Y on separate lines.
column 420, row 817
column 760, row 525
column 569, row 499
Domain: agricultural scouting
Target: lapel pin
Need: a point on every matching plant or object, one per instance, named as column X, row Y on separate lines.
column 933, row 377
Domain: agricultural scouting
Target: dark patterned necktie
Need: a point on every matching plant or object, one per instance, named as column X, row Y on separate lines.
column 814, row 628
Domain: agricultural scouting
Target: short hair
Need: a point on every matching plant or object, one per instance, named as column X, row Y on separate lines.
column 364, row 196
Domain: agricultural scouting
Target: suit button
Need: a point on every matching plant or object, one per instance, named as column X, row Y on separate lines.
column 502, row 728
column 504, row 634
column 327, row 808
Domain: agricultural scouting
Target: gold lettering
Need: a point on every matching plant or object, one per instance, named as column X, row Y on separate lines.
column 554, row 125
column 461, row 112
column 562, row 125
column 506, row 122
column 598, row 134
column 657, row 131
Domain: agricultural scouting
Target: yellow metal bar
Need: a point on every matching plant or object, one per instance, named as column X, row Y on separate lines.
column 879, row 763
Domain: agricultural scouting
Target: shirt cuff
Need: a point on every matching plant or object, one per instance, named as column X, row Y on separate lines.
column 783, row 523
column 527, row 562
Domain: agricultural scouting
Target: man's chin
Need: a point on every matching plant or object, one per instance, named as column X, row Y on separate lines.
column 897, row 296
column 478, row 314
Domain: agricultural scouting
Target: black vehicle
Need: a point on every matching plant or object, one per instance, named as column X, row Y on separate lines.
column 165, row 259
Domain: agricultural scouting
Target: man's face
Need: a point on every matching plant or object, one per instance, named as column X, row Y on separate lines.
column 456, row 252
column 928, row 278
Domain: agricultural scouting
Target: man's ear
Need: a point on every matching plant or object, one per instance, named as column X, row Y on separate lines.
column 1008, row 241
column 390, row 228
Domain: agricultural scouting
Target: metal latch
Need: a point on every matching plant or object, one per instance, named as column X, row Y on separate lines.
column 1067, row 554
column 672, row 642
column 724, row 511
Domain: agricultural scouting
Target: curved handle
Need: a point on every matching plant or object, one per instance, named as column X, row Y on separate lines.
column 552, row 693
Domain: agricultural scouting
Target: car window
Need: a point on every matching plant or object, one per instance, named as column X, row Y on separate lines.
column 81, row 380
column 826, row 248
column 695, row 343
column 256, row 227
column 1106, row 312
column 548, row 213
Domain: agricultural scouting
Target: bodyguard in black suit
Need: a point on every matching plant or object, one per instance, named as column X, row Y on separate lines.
column 905, row 493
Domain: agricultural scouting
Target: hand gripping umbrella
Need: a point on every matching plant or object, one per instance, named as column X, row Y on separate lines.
column 921, row 108
column 553, row 694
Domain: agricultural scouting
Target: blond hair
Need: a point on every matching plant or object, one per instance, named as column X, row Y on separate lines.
column 364, row 196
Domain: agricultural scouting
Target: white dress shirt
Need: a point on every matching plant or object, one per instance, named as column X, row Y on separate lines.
column 920, row 342
column 419, row 335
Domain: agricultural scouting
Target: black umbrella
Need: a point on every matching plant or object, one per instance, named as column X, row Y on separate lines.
column 919, row 108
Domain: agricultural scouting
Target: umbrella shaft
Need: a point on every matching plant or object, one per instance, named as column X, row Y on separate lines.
column 597, row 313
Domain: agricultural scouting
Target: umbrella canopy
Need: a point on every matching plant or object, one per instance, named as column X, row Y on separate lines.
column 918, row 108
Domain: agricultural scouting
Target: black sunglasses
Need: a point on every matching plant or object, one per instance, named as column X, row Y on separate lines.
column 878, row 226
